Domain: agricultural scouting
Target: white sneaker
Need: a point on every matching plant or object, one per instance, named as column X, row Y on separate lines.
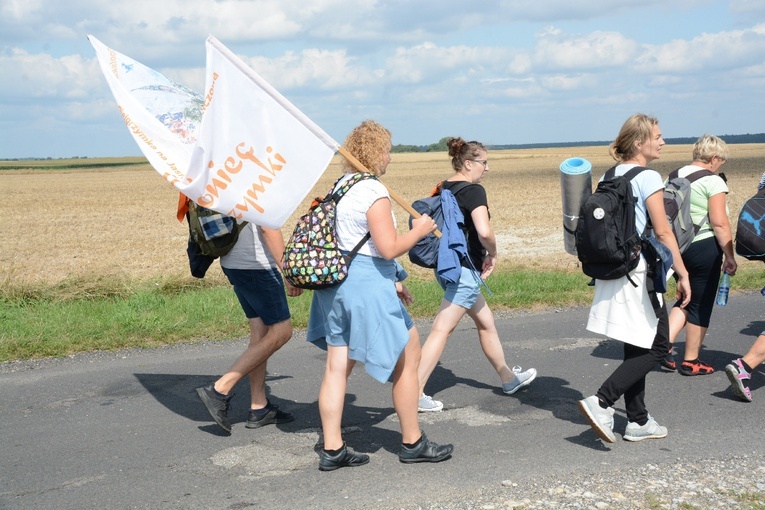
column 428, row 405
column 601, row 420
column 651, row 430
column 520, row 380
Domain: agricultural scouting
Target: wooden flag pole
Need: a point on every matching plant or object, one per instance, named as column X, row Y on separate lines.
column 395, row 196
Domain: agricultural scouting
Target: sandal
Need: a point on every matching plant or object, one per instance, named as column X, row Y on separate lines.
column 695, row 367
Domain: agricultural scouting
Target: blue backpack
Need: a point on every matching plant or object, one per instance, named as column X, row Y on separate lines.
column 425, row 252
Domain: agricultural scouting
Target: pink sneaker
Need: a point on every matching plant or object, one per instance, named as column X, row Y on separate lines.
column 738, row 377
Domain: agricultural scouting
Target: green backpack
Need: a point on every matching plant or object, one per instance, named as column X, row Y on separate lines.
column 214, row 233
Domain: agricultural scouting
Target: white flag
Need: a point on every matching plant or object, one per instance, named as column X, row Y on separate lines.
column 253, row 156
column 162, row 116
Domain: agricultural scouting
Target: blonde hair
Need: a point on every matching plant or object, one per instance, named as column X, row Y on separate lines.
column 637, row 128
column 369, row 142
column 462, row 151
column 709, row 146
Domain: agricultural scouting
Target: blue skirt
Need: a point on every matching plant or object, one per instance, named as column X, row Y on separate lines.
column 363, row 313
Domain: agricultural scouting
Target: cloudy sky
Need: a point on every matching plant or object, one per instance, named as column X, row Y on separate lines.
column 502, row 72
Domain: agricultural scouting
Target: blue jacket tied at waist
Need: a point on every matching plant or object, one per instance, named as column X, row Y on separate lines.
column 453, row 246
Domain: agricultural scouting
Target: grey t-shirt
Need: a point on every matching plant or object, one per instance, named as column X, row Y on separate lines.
column 249, row 252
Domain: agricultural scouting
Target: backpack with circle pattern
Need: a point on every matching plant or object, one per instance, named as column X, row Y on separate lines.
column 312, row 257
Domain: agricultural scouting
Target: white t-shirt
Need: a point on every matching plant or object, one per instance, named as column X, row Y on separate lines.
column 249, row 252
column 645, row 184
column 352, row 210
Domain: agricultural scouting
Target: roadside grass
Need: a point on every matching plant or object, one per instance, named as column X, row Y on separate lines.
column 111, row 313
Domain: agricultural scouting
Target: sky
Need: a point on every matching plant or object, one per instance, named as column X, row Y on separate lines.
column 500, row 72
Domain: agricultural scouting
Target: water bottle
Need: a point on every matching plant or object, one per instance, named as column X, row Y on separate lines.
column 722, row 291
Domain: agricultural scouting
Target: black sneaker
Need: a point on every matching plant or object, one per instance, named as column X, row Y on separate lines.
column 426, row 451
column 669, row 362
column 274, row 415
column 346, row 457
column 216, row 406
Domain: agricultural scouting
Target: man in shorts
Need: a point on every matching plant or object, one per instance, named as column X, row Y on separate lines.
column 252, row 267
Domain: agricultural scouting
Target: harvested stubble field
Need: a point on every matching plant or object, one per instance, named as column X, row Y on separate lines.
column 118, row 222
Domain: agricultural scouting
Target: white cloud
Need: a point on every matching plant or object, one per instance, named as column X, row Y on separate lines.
column 42, row 76
column 706, row 52
column 317, row 68
column 557, row 50
column 420, row 65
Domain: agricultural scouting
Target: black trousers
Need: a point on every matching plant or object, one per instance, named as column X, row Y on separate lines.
column 629, row 378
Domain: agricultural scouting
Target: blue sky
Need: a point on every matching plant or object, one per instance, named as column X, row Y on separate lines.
column 502, row 72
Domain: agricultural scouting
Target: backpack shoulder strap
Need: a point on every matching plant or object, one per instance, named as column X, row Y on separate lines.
column 609, row 173
column 454, row 189
column 459, row 187
column 698, row 174
column 338, row 193
column 633, row 172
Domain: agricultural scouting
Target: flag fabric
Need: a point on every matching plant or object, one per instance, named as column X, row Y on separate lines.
column 162, row 116
column 241, row 148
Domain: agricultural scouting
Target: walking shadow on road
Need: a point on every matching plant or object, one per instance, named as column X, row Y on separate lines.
column 177, row 393
column 366, row 429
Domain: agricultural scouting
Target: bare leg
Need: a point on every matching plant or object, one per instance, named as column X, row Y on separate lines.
column 257, row 353
column 756, row 354
column 677, row 320
column 446, row 320
column 332, row 395
column 257, row 375
column 489, row 338
column 406, row 391
column 694, row 336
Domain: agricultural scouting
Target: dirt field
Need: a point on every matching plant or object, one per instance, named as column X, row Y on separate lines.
column 87, row 223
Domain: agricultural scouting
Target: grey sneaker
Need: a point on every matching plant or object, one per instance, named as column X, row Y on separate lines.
column 428, row 405
column 651, row 430
column 216, row 406
column 520, row 380
column 601, row 420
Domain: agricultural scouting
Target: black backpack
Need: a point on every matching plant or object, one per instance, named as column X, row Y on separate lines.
column 607, row 244
column 750, row 229
column 425, row 252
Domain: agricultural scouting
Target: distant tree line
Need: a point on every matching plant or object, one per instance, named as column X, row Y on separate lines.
column 440, row 146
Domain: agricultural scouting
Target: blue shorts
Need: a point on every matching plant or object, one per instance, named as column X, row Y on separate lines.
column 465, row 292
column 261, row 293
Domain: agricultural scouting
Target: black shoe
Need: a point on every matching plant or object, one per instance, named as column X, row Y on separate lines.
column 426, row 451
column 669, row 362
column 346, row 457
column 274, row 415
column 216, row 406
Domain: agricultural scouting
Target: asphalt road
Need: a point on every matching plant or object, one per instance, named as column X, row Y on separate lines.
column 126, row 429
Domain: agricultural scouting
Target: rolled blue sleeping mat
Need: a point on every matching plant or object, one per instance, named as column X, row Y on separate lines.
column 576, row 186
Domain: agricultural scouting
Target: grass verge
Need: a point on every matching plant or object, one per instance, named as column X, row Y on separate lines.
column 113, row 313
